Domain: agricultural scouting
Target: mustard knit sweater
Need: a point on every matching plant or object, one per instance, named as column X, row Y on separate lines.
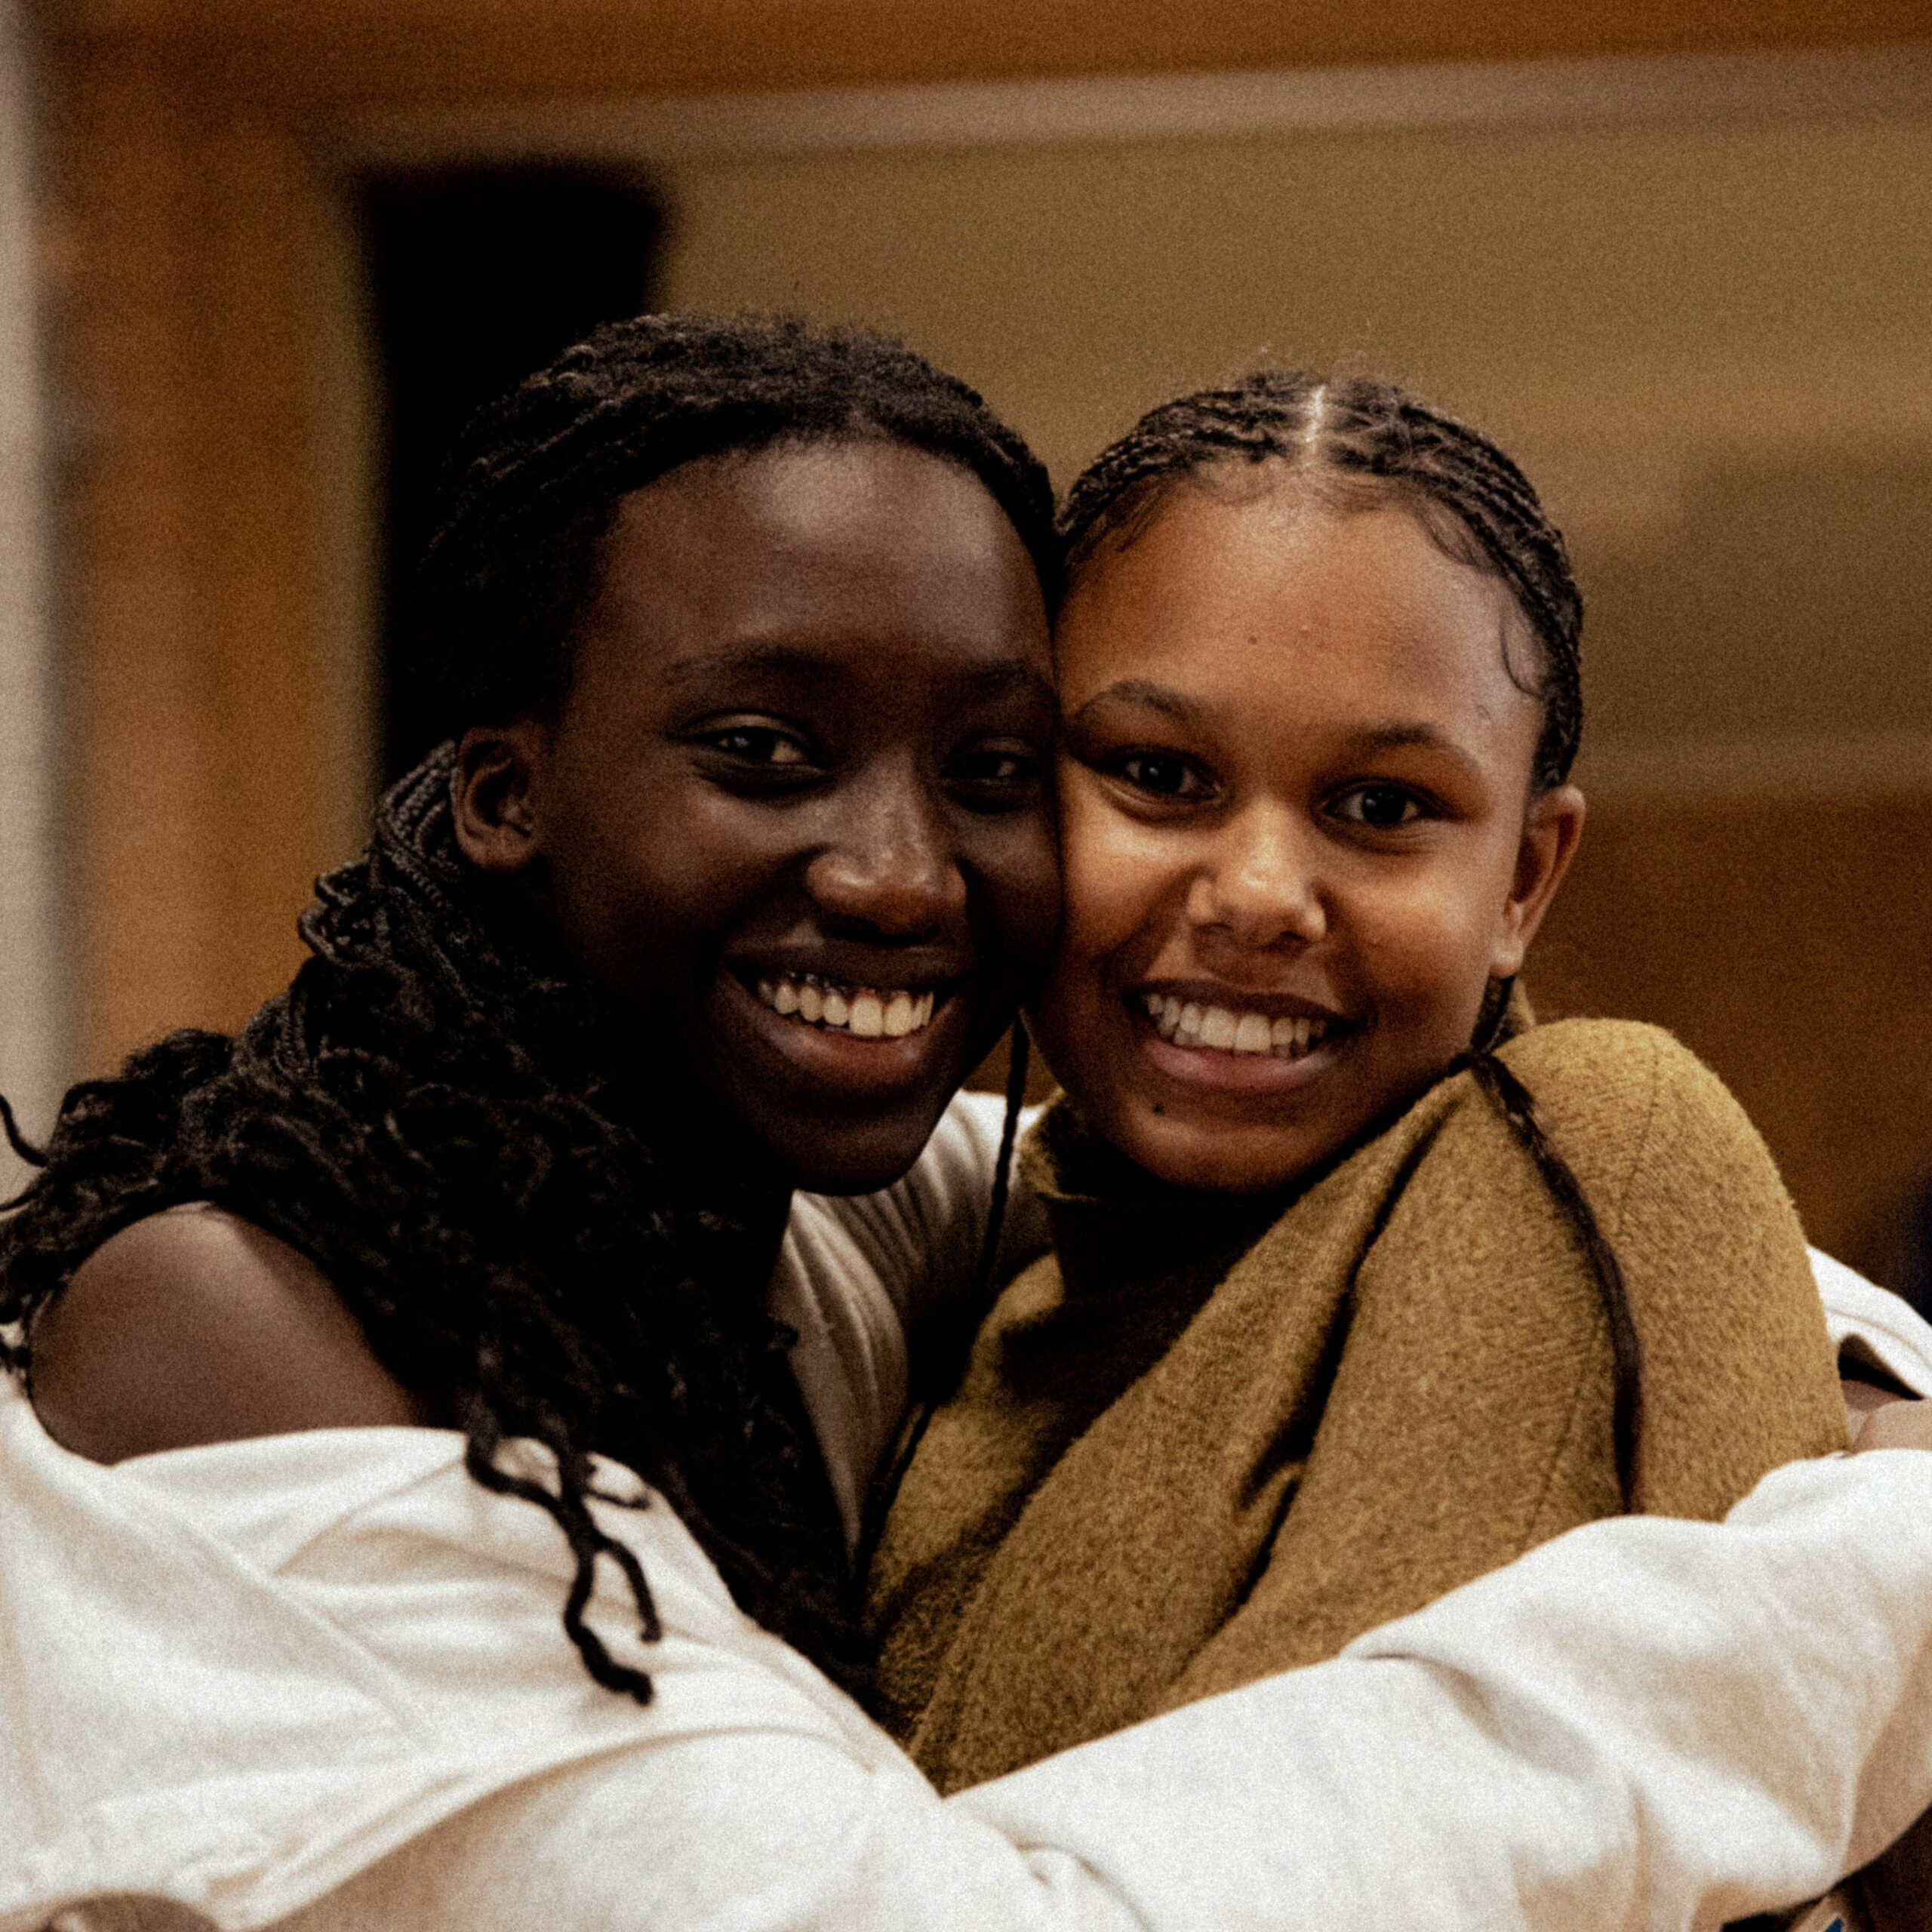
column 1213, row 1437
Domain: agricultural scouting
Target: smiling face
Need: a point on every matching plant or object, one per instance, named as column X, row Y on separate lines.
column 793, row 813
column 1297, row 830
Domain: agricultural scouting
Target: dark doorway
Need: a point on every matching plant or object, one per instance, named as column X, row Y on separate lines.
column 478, row 277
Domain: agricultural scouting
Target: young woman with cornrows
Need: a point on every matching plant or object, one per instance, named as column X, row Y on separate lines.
column 1361, row 1283
column 409, row 1514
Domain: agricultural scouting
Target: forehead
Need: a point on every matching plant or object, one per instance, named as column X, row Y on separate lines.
column 1266, row 596
column 847, row 550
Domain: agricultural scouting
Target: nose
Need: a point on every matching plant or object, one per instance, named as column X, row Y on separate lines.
column 887, row 865
column 1258, row 886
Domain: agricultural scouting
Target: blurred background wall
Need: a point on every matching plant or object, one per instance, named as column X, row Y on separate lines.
column 1680, row 262
column 36, row 1047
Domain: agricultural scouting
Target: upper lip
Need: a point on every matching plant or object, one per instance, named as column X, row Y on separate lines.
column 1241, row 999
column 916, row 971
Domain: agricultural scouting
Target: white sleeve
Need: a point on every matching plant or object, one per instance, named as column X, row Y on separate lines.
column 1645, row 1723
column 920, row 1238
column 1871, row 1325
column 855, row 1273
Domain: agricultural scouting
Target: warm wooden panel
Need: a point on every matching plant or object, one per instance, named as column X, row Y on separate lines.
column 299, row 54
column 145, row 749
column 197, row 613
column 205, row 624
column 1790, row 942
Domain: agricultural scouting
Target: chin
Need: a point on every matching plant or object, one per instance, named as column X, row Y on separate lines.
column 829, row 1156
column 1213, row 1158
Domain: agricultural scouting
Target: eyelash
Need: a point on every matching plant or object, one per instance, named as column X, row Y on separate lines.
column 1120, row 765
column 775, row 739
column 1415, row 806
column 1011, row 784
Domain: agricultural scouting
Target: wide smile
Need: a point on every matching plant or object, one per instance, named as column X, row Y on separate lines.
column 1203, row 1039
column 867, row 1013
column 848, row 1036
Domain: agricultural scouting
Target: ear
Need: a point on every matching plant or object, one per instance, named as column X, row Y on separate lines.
column 1551, row 829
column 499, row 771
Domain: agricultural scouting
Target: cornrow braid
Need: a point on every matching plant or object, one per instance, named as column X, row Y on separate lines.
column 448, row 1120
column 1359, row 443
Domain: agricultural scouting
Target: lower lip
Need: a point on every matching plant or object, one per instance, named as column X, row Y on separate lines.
column 834, row 1058
column 1209, row 1069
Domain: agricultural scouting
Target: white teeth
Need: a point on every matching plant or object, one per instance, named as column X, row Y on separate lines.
column 1226, row 1031
column 1217, row 1028
column 868, row 1013
column 1251, row 1034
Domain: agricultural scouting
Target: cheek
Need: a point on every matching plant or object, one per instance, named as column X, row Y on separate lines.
column 1015, row 863
column 1118, row 875
column 643, row 872
column 1426, row 949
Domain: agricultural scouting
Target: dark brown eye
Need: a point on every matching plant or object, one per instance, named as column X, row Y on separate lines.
column 1165, row 774
column 757, row 744
column 996, row 776
column 1383, row 807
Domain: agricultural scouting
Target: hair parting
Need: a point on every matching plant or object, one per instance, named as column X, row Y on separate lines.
column 1358, row 444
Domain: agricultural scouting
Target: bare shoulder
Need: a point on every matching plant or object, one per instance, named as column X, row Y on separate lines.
column 194, row 1326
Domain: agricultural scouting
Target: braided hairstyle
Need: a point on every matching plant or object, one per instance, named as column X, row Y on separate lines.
column 432, row 1112
column 1358, row 444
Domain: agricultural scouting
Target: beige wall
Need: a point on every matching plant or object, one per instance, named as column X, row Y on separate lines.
column 1710, row 338
column 1712, row 344
column 34, row 1042
column 1694, row 311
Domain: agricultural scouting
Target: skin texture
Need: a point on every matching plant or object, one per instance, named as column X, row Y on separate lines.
column 807, row 730
column 254, row 1342
column 1294, row 780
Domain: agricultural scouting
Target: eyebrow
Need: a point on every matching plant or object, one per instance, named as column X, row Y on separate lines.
column 1150, row 696
column 1394, row 734
column 979, row 681
column 786, row 660
column 1398, row 733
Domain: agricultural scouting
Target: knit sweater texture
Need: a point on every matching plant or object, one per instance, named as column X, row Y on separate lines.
column 1211, row 1438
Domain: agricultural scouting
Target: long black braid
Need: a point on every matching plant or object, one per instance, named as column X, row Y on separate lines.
column 449, row 1121
column 1359, row 444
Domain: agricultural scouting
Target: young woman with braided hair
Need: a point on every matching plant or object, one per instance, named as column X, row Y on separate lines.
column 330, row 1597
column 1360, row 1284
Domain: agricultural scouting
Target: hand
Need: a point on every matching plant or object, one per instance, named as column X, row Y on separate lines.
column 1893, row 1425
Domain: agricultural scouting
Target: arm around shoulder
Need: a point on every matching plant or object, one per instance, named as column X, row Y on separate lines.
column 193, row 1326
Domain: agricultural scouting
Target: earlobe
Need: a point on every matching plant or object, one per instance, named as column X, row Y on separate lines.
column 1551, row 828
column 499, row 772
